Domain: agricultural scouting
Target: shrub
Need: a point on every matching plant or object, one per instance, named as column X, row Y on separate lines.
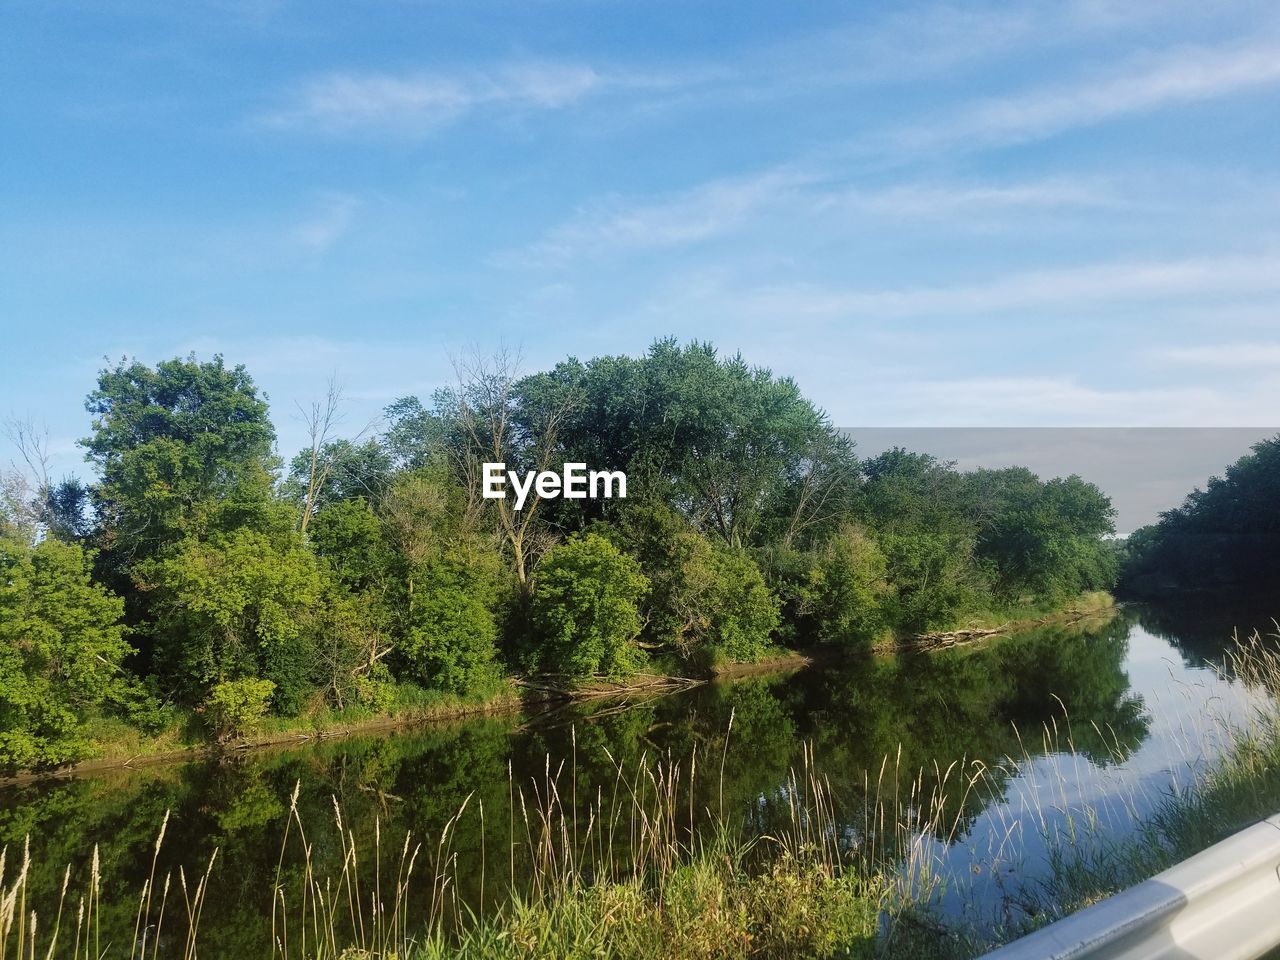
column 239, row 604
column 743, row 611
column 845, row 587
column 705, row 599
column 585, row 609
column 452, row 636
column 234, row 706
column 61, row 644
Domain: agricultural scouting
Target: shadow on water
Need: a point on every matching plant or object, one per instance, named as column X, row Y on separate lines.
column 923, row 716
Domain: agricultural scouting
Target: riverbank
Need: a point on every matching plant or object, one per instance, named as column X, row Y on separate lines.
column 116, row 744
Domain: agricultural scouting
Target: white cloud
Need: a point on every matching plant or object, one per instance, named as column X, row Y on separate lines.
column 1061, row 401
column 416, row 103
column 721, row 206
column 1156, row 280
column 1225, row 355
column 929, row 200
column 700, row 213
column 1180, row 76
column 329, row 225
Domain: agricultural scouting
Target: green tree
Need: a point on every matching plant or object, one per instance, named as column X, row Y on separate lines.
column 451, row 585
column 236, row 605
column 735, row 449
column 1226, row 536
column 180, row 449
column 705, row 599
column 452, row 636
column 1042, row 540
column 61, row 645
column 585, row 609
column 847, row 587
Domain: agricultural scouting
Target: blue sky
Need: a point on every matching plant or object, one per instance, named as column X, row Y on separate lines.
column 1058, row 213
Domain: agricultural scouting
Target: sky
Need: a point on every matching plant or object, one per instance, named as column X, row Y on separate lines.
column 1056, row 213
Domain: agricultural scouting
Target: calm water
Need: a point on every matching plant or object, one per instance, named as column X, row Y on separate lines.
column 1131, row 707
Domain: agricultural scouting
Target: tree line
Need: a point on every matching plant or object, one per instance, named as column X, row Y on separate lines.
column 200, row 574
column 1225, row 537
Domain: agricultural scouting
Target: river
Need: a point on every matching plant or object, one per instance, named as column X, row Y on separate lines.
column 1106, row 717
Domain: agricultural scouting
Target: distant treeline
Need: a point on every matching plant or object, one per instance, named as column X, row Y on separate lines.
column 200, row 572
column 1225, row 537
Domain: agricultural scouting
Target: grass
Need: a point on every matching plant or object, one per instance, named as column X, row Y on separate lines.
column 113, row 740
column 630, row 875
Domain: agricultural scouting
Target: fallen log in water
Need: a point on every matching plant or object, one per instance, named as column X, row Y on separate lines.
column 640, row 683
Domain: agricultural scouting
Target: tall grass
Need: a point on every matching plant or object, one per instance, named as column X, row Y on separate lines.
column 637, row 866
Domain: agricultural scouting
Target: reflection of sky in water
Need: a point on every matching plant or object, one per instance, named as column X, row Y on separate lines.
column 1059, row 792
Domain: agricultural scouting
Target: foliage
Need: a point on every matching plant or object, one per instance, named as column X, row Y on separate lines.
column 234, row 706
column 727, row 444
column 179, row 449
column 61, row 645
column 705, row 599
column 374, row 567
column 1226, row 536
column 237, row 605
column 847, row 587
column 585, row 609
column 452, row 633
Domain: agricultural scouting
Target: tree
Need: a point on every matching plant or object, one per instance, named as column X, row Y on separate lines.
column 31, row 505
column 452, row 635
column 61, row 645
column 452, row 582
column 585, row 609
column 235, row 605
column 180, row 449
column 1041, row 540
column 327, row 460
column 484, row 423
column 705, row 599
column 1224, row 536
column 730, row 446
column 847, row 587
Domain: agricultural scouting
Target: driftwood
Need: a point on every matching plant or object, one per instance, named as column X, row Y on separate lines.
column 640, row 683
column 946, row 639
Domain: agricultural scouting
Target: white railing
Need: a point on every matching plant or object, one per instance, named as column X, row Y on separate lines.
column 1221, row 904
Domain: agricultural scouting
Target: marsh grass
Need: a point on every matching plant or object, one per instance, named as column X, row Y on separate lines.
column 637, row 865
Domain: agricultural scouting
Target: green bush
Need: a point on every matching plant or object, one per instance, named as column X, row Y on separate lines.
column 585, row 609
column 452, row 636
column 743, row 612
column 235, row 706
column 847, row 586
column 240, row 603
column 61, row 644
column 706, row 600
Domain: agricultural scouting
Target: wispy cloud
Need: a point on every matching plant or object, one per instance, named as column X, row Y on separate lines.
column 937, row 199
column 727, row 205
column 1066, row 401
column 1156, row 280
column 1178, row 76
column 417, row 103
column 324, row 229
column 702, row 212
column 1225, row 355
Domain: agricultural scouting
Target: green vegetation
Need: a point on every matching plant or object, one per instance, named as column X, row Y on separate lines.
column 372, row 570
column 1225, row 538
